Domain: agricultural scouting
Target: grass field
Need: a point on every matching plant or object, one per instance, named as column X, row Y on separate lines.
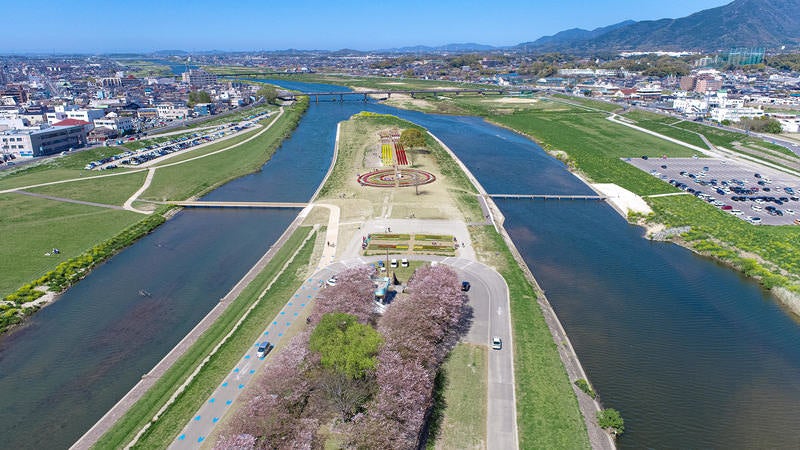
column 667, row 126
column 172, row 421
column 463, row 394
column 589, row 103
column 32, row 227
column 109, row 190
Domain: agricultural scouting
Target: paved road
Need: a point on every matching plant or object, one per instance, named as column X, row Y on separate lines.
column 489, row 299
column 220, row 401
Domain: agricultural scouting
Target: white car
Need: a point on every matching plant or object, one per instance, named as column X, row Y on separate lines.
column 790, row 211
column 497, row 343
column 331, row 281
column 393, row 263
column 404, row 262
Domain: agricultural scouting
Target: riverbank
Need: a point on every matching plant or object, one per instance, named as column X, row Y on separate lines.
column 28, row 298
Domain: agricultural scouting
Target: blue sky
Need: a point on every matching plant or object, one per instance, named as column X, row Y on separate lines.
column 145, row 25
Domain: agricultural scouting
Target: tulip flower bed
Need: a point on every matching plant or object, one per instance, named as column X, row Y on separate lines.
column 401, row 177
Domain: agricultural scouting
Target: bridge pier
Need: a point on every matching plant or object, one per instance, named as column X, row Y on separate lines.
column 341, row 98
column 316, row 98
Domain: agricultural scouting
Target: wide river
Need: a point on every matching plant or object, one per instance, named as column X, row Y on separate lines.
column 692, row 354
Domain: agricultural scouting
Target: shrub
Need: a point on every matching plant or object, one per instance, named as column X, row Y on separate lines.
column 610, row 418
column 584, row 386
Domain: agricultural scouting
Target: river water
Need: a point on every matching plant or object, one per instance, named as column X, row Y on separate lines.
column 692, row 354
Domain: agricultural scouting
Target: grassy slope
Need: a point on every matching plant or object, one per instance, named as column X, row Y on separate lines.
column 219, row 366
column 596, row 145
column 34, row 226
column 184, row 180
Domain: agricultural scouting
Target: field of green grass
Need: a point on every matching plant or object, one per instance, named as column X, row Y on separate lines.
column 589, row 103
column 463, row 397
column 664, row 125
column 173, row 420
column 31, row 227
column 108, row 190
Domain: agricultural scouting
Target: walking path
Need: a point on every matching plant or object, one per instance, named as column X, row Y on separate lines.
column 147, row 180
column 616, row 119
column 68, row 200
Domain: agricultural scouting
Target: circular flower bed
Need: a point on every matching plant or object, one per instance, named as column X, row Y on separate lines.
column 392, row 178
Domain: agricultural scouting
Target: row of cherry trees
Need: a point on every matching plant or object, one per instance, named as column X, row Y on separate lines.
column 385, row 407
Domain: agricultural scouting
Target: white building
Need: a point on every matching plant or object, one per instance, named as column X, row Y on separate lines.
column 790, row 123
column 171, row 111
column 114, row 122
column 735, row 114
column 73, row 112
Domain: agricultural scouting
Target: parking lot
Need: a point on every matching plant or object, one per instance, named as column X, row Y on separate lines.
column 760, row 196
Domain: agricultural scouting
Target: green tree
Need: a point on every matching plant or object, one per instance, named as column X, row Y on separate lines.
column 196, row 97
column 269, row 93
column 412, row 137
column 610, row 418
column 346, row 346
column 773, row 126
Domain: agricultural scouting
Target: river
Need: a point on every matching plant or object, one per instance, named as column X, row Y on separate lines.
column 692, row 354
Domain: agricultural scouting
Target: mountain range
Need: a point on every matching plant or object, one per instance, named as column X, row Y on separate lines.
column 742, row 23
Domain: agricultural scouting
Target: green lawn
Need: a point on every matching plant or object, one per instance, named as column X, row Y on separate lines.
column 663, row 125
column 31, row 227
column 463, row 399
column 595, row 104
column 55, row 169
column 178, row 415
column 724, row 138
column 108, row 190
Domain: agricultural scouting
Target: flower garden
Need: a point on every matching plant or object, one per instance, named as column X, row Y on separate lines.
column 379, row 243
column 400, row 177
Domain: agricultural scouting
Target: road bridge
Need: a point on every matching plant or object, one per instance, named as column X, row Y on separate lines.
column 388, row 93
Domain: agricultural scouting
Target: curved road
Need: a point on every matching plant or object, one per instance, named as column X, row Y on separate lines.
column 489, row 300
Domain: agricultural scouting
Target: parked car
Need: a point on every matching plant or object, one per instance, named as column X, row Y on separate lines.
column 393, row 263
column 404, row 262
column 465, row 286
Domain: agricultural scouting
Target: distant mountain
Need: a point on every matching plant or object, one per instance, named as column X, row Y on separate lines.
column 742, row 23
column 452, row 48
column 571, row 36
